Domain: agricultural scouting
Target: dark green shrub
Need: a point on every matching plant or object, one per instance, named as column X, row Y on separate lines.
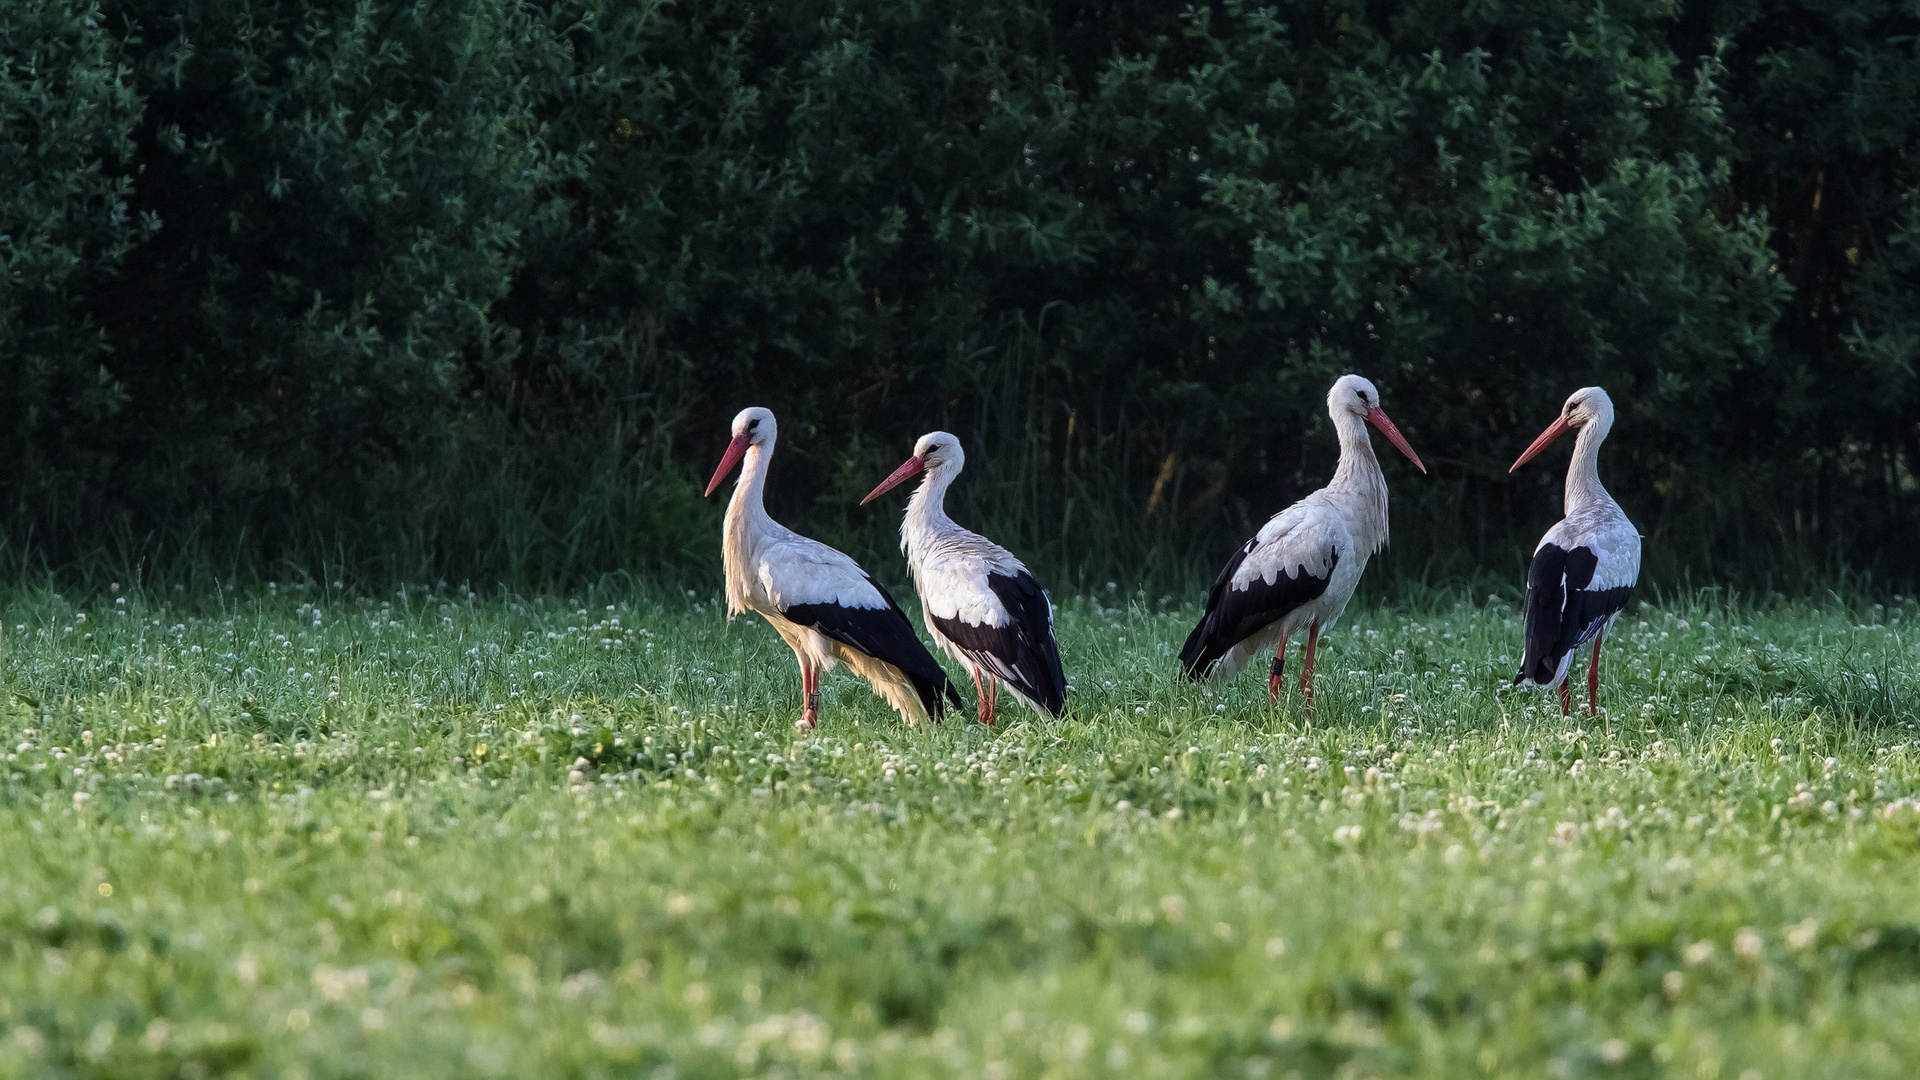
column 472, row 288
column 67, row 118
column 341, row 190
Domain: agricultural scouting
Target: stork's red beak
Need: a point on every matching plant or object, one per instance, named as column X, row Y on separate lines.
column 736, row 450
column 907, row 468
column 1558, row 428
column 1378, row 418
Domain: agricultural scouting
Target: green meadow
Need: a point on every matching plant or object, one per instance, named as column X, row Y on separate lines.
column 306, row 832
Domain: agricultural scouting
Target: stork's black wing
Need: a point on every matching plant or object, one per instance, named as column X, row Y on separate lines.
column 1022, row 653
column 1234, row 615
column 887, row 636
column 1562, row 612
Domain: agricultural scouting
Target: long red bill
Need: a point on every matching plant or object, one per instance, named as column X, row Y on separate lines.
column 1378, row 418
column 907, row 468
column 736, row 450
column 1558, row 428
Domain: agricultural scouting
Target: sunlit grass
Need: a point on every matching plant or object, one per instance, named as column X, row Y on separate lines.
column 310, row 832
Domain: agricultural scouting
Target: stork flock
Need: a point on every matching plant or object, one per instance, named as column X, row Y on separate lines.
column 984, row 609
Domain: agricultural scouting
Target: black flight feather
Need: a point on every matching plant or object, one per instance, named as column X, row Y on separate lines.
column 1562, row 613
column 1234, row 615
column 1022, row 653
column 887, row 636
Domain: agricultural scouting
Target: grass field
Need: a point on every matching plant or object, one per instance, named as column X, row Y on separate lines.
column 313, row 833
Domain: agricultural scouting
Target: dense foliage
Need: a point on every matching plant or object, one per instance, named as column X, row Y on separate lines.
column 477, row 284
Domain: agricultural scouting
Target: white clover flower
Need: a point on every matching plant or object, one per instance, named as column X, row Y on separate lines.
column 1803, row 934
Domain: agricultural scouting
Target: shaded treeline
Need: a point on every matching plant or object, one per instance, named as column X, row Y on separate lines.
column 471, row 289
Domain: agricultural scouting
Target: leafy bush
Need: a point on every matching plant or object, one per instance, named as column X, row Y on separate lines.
column 67, row 118
column 485, row 279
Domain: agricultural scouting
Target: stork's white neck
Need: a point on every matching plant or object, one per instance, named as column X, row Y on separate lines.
column 1583, row 472
column 1358, row 482
column 927, row 519
column 747, row 504
column 747, row 523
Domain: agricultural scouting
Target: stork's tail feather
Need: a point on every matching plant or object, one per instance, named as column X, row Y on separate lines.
column 1055, row 700
column 1050, row 703
column 1193, row 655
column 916, row 696
column 1543, row 671
column 936, row 695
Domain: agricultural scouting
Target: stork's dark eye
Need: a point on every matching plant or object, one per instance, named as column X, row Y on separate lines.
column 751, row 424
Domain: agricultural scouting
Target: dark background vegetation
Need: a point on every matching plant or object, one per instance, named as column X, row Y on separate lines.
column 471, row 288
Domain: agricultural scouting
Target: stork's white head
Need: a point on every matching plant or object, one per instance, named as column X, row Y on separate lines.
column 1352, row 394
column 1587, row 406
column 937, row 453
column 752, row 427
column 756, row 424
column 1355, row 396
column 940, row 451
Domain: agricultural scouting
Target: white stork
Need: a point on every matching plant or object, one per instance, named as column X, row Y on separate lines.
column 1300, row 569
column 1585, row 566
column 981, row 604
column 818, row 600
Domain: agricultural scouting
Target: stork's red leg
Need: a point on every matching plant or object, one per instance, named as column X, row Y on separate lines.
column 1593, row 677
column 1566, row 699
column 1273, row 671
column 989, row 694
column 810, row 694
column 1306, row 672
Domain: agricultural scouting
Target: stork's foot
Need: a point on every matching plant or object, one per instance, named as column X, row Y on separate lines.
column 810, row 716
